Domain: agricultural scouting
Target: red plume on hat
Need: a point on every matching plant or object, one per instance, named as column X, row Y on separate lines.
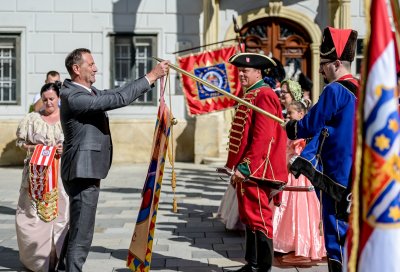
column 338, row 44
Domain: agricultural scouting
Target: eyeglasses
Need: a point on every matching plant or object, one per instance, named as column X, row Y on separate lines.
column 322, row 64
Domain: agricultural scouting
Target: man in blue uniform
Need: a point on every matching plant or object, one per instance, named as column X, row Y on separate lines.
column 327, row 159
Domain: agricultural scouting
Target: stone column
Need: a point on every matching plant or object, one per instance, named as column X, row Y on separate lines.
column 333, row 11
column 345, row 12
column 314, row 47
column 339, row 13
column 211, row 21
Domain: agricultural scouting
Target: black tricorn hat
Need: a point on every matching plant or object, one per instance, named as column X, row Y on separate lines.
column 338, row 44
column 252, row 60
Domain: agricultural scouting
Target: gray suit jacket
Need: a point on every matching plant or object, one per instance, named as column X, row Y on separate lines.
column 87, row 145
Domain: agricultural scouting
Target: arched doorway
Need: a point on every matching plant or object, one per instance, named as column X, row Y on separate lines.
column 283, row 39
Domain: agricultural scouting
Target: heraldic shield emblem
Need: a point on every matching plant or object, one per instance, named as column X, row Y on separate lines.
column 216, row 75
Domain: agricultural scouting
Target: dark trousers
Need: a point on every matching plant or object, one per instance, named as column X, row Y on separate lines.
column 83, row 196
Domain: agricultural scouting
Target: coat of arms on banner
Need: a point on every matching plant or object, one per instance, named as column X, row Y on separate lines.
column 216, row 75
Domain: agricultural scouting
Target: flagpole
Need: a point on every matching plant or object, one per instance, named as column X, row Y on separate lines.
column 215, row 88
column 396, row 15
column 201, row 46
column 357, row 169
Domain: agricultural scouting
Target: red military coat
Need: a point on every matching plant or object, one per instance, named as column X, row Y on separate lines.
column 257, row 148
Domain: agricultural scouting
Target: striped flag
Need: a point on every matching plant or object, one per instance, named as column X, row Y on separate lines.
column 374, row 235
column 43, row 155
column 140, row 249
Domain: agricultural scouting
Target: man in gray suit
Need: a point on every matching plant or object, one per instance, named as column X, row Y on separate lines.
column 87, row 147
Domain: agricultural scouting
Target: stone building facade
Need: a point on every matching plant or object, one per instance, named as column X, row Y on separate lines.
column 36, row 36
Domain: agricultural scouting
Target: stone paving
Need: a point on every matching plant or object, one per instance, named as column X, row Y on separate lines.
column 189, row 241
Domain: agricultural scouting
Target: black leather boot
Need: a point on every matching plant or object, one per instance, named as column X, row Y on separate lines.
column 264, row 253
column 334, row 266
column 250, row 255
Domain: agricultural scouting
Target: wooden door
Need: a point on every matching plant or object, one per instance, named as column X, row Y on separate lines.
column 282, row 39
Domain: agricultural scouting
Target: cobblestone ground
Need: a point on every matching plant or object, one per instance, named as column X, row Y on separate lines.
column 190, row 240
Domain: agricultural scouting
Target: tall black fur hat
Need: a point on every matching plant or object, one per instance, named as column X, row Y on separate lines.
column 338, row 44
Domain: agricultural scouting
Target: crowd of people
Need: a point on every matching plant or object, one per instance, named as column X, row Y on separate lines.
column 70, row 124
column 271, row 177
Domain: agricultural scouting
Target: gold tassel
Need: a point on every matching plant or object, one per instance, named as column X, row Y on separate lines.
column 173, row 185
column 174, row 205
column 170, row 157
column 171, row 154
column 173, row 180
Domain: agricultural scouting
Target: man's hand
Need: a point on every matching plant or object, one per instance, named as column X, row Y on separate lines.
column 160, row 70
column 237, row 177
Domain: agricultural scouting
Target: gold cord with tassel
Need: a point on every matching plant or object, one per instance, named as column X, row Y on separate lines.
column 171, row 155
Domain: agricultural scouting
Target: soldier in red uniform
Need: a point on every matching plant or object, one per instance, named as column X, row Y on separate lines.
column 256, row 158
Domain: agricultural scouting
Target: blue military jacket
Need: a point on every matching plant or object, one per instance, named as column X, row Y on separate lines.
column 327, row 158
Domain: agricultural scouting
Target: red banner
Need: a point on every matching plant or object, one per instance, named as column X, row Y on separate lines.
column 213, row 67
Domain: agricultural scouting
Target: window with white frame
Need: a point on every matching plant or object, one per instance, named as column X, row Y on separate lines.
column 131, row 59
column 9, row 69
